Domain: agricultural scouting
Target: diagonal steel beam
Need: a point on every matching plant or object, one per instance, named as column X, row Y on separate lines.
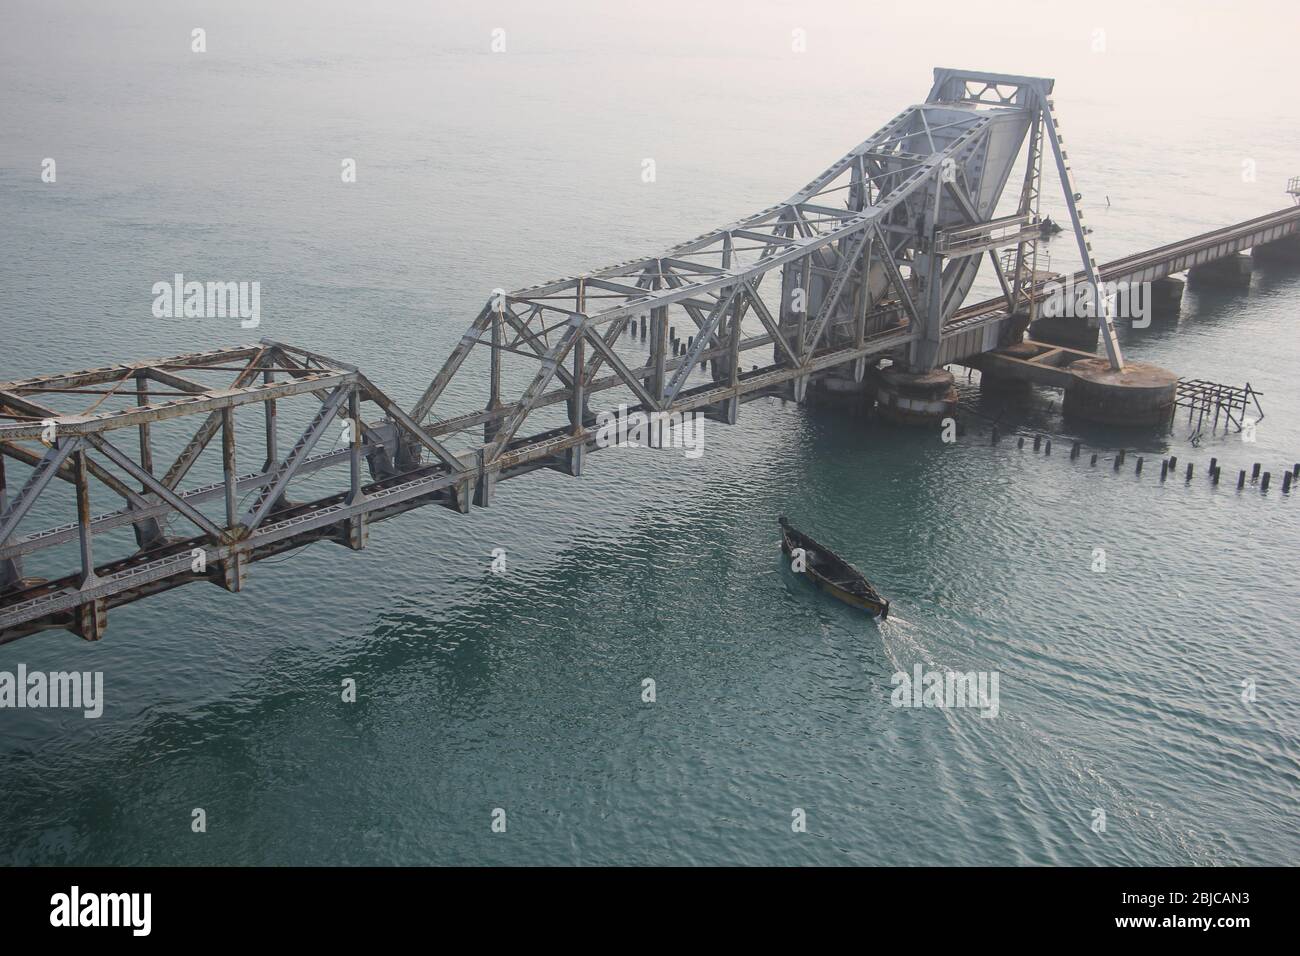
column 838, row 284
column 706, row 333
column 151, row 483
column 172, row 380
column 896, row 278
column 616, row 328
column 773, row 327
column 190, row 453
column 66, row 472
column 35, row 484
column 420, row 411
column 533, row 342
column 408, row 423
column 621, row 370
column 528, row 401
column 285, row 471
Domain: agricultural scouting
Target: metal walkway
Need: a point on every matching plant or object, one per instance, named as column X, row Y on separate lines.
column 873, row 259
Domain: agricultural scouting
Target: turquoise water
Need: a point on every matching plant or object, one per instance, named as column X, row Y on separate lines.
column 523, row 691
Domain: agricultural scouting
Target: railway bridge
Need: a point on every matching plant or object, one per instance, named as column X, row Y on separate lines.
column 870, row 262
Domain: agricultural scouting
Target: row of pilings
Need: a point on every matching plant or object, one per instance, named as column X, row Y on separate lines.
column 1169, row 467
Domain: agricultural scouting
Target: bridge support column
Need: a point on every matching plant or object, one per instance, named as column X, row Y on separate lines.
column 658, row 352
column 485, row 488
column 1284, row 251
column 572, row 460
column 994, row 382
column 459, row 496
column 1073, row 332
column 1233, row 270
column 232, row 572
column 841, row 388
column 916, row 398
column 1167, row 296
column 1013, row 330
column 91, row 620
column 358, row 529
column 725, row 411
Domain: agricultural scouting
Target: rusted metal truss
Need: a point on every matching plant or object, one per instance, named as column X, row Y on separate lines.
column 871, row 259
column 87, row 449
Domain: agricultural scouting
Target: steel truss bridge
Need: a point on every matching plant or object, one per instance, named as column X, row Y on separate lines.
column 871, row 260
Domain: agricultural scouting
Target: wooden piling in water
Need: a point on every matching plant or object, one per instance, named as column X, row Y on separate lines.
column 1241, row 479
column 1164, row 470
column 1137, row 469
column 1263, row 482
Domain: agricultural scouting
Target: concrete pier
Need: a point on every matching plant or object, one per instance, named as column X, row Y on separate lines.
column 1073, row 332
column 1285, row 251
column 1167, row 296
column 1233, row 270
column 1142, row 395
column 916, row 398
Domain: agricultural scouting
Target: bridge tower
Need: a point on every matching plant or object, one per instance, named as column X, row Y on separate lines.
column 933, row 238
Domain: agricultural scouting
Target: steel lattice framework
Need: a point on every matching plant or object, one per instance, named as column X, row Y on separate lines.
column 871, row 260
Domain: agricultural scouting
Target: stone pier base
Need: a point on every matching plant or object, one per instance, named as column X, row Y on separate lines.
column 1140, row 395
column 916, row 398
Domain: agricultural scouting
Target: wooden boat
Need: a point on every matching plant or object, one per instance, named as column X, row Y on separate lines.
column 832, row 574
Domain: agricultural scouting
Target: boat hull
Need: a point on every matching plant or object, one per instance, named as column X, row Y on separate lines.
column 878, row 608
